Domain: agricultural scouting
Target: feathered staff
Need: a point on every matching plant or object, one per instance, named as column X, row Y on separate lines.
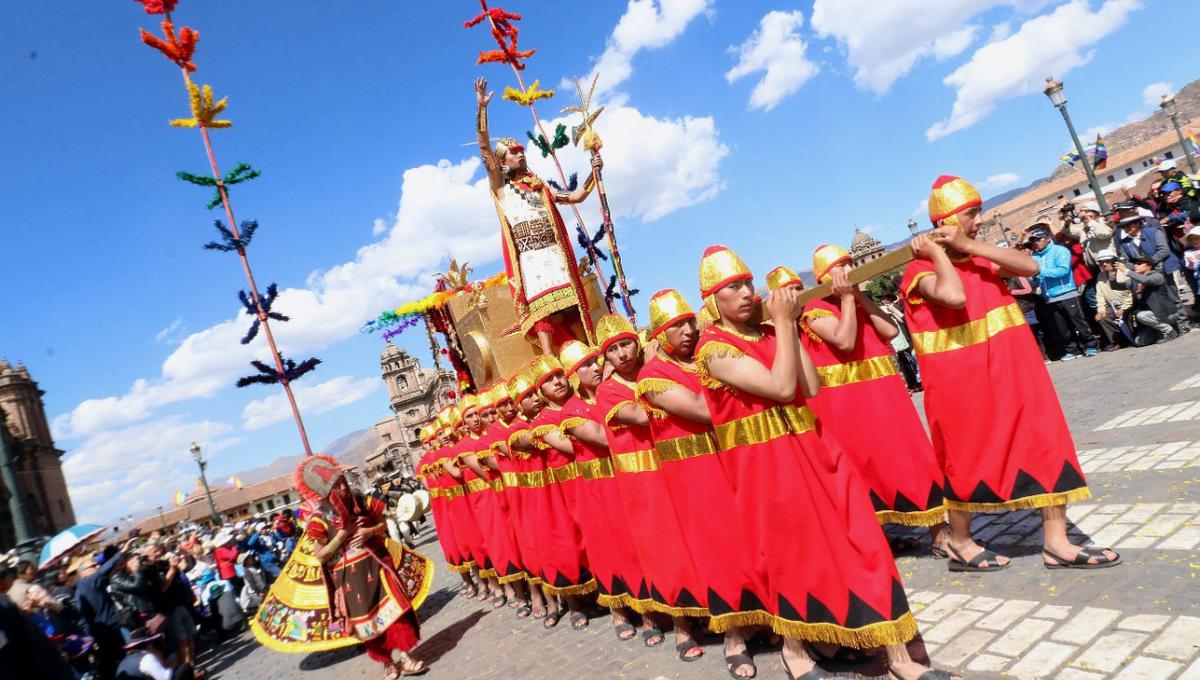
column 179, row 48
column 591, row 141
column 505, row 34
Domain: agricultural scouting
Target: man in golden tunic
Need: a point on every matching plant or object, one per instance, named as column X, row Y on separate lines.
column 547, row 289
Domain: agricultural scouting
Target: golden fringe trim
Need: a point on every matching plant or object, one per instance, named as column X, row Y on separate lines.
column 513, row 578
column 813, row 314
column 570, row 422
column 918, row 518
column 460, row 568
column 542, row 430
column 487, row 573
column 660, row 608
column 1042, row 500
column 908, row 292
column 650, row 386
column 713, row 350
column 612, row 412
column 874, row 635
column 534, row 580
column 613, row 601
column 567, row 591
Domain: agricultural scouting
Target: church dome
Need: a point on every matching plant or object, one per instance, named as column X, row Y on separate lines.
column 862, row 240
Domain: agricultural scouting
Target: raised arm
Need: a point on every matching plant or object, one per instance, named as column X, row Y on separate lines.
column 780, row 381
column 944, row 287
column 490, row 162
column 581, row 192
column 683, row 403
column 1009, row 261
column 842, row 332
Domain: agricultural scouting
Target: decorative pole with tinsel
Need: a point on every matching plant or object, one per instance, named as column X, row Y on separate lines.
column 505, row 34
column 179, row 49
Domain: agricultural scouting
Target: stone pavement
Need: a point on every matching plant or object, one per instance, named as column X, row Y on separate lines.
column 1135, row 415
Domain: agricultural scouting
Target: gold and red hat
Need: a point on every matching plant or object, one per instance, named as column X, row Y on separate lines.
column 499, row 393
column 667, row 308
column 719, row 267
column 611, row 328
column 469, row 403
column 825, row 258
column 456, row 416
column 519, row 386
column 783, row 277
column 443, row 417
column 573, row 354
column 486, row 400
column 950, row 196
column 542, row 367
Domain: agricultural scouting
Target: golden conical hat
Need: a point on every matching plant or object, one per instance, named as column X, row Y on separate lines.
column 573, row 353
column 667, row 308
column 950, row 196
column 782, row 277
column 613, row 327
column 825, row 258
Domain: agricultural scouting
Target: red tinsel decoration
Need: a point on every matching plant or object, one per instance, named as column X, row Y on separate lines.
column 177, row 48
column 159, row 6
column 505, row 35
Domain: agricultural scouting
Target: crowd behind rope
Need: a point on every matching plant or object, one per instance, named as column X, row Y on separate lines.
column 136, row 609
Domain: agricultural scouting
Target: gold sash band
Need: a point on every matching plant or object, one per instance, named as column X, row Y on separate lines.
column 970, row 333
column 687, row 446
column 635, row 461
column 856, row 371
column 599, row 468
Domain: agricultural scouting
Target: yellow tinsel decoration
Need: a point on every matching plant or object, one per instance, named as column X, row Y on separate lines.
column 204, row 110
column 440, row 298
column 527, row 97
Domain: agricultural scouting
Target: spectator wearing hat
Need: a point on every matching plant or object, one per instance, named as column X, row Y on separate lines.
column 144, row 660
column 1152, row 308
column 98, row 609
column 1056, row 285
column 1114, row 298
column 1142, row 234
column 1168, row 172
column 225, row 552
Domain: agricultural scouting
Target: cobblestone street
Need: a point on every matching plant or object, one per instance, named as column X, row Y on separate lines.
column 1136, row 421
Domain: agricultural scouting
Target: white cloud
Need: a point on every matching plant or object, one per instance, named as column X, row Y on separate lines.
column 1101, row 129
column 921, row 211
column 128, row 470
column 646, row 24
column 654, row 166
column 1000, row 181
column 776, row 49
column 313, row 398
column 884, row 40
column 1053, row 43
column 1153, row 93
column 170, row 335
column 378, row 227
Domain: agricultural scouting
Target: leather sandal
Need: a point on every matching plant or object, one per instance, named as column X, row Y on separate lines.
column 686, row 646
column 1081, row 560
column 959, row 563
column 817, row 673
column 734, row 661
column 651, row 633
column 622, row 628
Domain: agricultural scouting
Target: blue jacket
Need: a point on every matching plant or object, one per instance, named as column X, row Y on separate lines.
column 92, row 598
column 1054, row 271
column 1155, row 245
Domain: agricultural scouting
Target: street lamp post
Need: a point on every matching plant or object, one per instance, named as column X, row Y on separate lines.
column 912, row 226
column 1054, row 90
column 212, row 507
column 23, row 528
column 1168, row 107
column 162, row 519
column 998, row 219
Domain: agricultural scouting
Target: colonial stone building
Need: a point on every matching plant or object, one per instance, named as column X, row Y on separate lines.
column 416, row 395
column 864, row 247
column 35, row 460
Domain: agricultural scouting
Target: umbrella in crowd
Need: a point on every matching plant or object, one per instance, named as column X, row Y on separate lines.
column 66, row 541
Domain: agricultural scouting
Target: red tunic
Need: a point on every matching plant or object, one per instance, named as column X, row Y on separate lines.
column 612, row 556
column 703, row 496
column 863, row 401
column 805, row 509
column 441, row 517
column 466, row 527
column 672, row 585
column 997, row 427
column 487, row 502
column 560, row 545
column 519, row 471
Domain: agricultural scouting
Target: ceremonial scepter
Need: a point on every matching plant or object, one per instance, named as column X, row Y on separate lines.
column 179, row 48
column 591, row 141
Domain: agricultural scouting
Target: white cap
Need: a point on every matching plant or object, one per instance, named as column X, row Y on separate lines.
column 1106, row 254
column 1144, row 212
column 1194, row 232
column 1091, row 205
column 1166, row 165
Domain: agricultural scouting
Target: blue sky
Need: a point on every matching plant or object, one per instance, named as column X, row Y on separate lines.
column 771, row 127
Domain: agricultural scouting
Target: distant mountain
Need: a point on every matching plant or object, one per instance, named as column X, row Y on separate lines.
column 350, row 449
column 1000, row 199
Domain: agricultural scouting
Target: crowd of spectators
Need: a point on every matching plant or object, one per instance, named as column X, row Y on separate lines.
column 136, row 610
